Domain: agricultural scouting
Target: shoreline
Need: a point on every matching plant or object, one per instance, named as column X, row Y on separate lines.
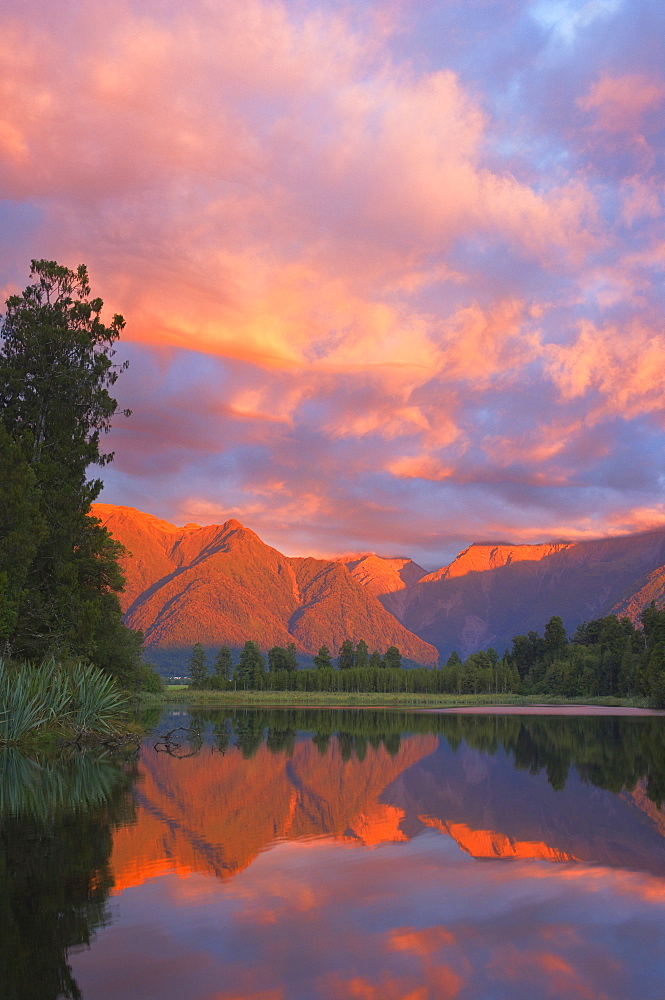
column 547, row 710
column 460, row 704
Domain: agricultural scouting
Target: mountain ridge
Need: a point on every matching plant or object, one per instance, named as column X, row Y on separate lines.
column 222, row 584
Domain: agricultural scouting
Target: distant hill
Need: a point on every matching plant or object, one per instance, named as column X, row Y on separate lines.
column 222, row 584
column 490, row 593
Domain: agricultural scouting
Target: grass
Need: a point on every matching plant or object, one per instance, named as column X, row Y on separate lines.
column 39, row 699
column 179, row 693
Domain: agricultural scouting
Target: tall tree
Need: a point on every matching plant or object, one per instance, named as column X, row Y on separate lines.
column 250, row 671
column 56, row 369
column 393, row 658
column 322, row 660
column 198, row 667
column 291, row 656
column 222, row 668
column 556, row 640
column 278, row 659
column 346, row 657
column 362, row 655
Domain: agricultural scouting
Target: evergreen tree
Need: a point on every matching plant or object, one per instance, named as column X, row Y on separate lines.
column 322, row 660
column 291, row 657
column 393, row 658
column 222, row 668
column 57, row 589
column 278, row 659
column 198, row 668
column 556, row 640
column 345, row 659
column 250, row 671
column 362, row 655
column 375, row 660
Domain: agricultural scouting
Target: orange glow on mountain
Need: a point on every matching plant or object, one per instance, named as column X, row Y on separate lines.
column 491, row 844
column 222, row 584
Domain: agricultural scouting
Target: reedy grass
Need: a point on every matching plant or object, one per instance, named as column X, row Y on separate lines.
column 34, row 699
column 181, row 694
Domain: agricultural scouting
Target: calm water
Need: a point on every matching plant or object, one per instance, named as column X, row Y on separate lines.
column 298, row 855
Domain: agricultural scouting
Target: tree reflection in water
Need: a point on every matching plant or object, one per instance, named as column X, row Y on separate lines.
column 56, row 825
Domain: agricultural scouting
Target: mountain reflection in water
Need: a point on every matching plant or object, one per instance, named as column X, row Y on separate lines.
column 302, row 854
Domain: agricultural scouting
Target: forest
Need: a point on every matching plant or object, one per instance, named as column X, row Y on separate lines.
column 608, row 656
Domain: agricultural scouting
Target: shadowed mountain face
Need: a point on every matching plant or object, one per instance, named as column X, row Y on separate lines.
column 491, row 593
column 222, row 584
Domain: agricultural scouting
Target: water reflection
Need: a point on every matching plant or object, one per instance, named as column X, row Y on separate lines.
column 337, row 854
column 56, row 831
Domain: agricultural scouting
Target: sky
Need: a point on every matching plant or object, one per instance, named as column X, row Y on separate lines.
column 392, row 270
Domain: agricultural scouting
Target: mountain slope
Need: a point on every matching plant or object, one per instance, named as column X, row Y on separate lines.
column 490, row 593
column 388, row 579
column 221, row 584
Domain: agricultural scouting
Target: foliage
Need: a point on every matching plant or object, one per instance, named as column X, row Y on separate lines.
column 361, row 659
column 59, row 574
column 250, row 671
column 323, row 660
column 346, row 658
column 606, row 657
column 35, row 698
column 198, row 667
column 222, row 668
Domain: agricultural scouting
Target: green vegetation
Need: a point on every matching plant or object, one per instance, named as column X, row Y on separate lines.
column 59, row 573
column 56, row 833
column 606, row 658
column 51, row 697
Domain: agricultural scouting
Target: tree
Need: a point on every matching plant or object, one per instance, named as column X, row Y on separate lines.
column 250, row 672
column 393, row 658
column 556, row 641
column 291, row 657
column 375, row 660
column 345, row 659
column 278, row 659
column 198, row 668
column 58, row 590
column 362, row 655
column 322, row 660
column 222, row 668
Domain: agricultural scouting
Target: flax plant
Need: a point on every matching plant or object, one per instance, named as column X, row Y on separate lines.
column 49, row 696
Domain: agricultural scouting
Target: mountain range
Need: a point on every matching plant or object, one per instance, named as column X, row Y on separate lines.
column 221, row 584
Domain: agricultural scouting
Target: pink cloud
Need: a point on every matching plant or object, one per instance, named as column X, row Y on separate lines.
column 623, row 366
column 620, row 103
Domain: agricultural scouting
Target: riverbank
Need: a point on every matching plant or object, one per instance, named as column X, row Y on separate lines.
column 534, row 704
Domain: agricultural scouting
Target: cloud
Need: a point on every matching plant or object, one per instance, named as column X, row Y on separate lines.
column 379, row 293
column 621, row 104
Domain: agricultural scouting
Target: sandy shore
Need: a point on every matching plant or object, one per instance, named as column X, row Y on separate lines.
column 545, row 710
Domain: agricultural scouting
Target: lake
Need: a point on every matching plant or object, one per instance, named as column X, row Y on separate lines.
column 325, row 854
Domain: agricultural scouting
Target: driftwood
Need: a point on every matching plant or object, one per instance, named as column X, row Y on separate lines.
column 189, row 746
column 114, row 742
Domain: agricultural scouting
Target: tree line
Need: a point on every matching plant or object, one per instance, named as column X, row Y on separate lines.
column 606, row 656
column 278, row 671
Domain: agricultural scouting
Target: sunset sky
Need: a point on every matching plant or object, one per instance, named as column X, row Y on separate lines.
column 392, row 271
